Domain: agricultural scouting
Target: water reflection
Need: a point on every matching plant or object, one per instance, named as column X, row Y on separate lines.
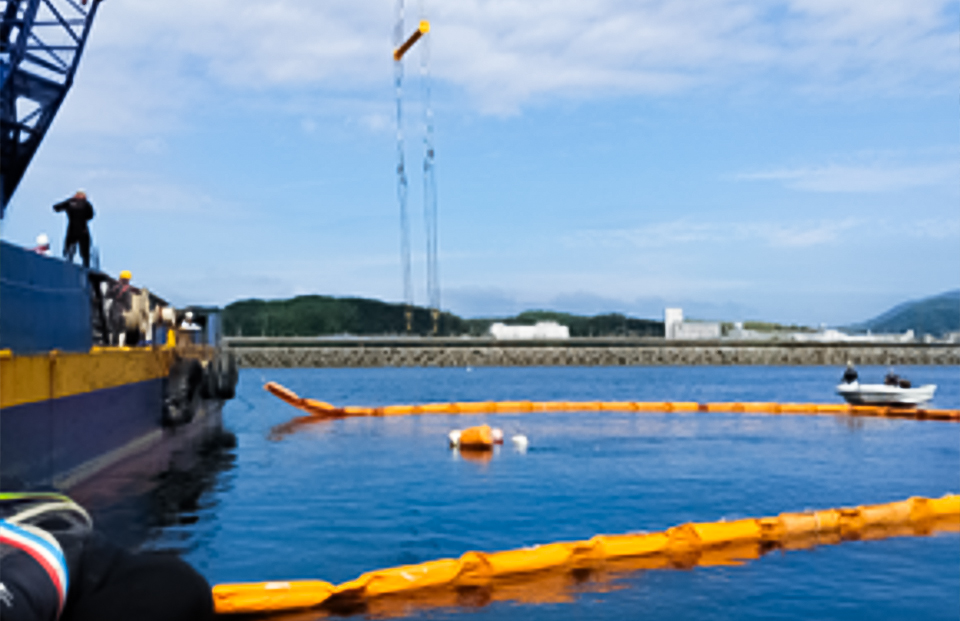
column 480, row 456
column 281, row 431
column 132, row 508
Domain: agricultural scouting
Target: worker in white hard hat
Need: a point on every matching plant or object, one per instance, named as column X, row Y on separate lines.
column 43, row 245
column 188, row 323
column 189, row 329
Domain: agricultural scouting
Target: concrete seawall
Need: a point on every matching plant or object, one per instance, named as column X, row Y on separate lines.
column 341, row 353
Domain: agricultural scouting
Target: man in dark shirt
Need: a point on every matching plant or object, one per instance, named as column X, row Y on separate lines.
column 850, row 375
column 79, row 212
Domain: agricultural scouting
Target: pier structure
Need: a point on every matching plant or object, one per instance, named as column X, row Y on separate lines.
column 293, row 352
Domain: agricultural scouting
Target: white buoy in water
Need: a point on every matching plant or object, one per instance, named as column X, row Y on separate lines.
column 454, row 437
column 520, row 441
column 497, row 435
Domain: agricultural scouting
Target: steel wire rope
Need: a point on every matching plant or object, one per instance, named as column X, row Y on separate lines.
column 65, row 504
column 401, row 171
column 430, row 215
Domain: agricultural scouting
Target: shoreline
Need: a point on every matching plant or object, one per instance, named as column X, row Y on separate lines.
column 312, row 352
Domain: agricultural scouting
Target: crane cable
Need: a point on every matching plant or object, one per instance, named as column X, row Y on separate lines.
column 401, row 46
column 398, row 40
column 429, row 180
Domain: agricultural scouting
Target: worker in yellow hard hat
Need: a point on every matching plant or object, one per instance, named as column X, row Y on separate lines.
column 119, row 297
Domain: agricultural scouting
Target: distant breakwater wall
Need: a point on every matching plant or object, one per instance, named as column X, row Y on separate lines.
column 342, row 353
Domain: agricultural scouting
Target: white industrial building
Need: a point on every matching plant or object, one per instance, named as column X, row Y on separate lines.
column 674, row 327
column 541, row 330
column 829, row 335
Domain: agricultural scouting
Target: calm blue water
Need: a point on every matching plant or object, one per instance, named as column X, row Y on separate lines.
column 339, row 498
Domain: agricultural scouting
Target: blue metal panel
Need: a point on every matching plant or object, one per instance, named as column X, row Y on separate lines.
column 44, row 303
column 45, row 440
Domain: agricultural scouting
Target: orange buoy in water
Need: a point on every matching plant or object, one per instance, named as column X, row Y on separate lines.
column 477, row 438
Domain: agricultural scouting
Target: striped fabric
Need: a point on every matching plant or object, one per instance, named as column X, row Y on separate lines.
column 43, row 548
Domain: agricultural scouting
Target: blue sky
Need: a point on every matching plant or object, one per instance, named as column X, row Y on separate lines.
column 794, row 161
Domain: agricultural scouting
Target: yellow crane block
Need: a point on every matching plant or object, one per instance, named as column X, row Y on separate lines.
column 423, row 29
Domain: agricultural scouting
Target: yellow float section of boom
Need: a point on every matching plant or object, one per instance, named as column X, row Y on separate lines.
column 687, row 545
column 321, row 410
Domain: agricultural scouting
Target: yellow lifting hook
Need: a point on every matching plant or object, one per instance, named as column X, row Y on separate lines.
column 419, row 32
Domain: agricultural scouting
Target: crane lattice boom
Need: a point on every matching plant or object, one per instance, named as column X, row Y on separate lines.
column 41, row 42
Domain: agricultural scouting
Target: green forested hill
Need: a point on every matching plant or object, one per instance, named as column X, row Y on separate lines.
column 317, row 315
column 935, row 315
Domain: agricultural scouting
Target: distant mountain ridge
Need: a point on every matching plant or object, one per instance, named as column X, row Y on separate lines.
column 936, row 315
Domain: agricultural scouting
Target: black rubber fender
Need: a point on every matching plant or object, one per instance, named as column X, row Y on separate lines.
column 210, row 384
column 183, row 392
column 228, row 374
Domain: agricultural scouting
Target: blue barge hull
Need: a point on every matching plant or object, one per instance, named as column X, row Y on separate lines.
column 70, row 409
column 62, row 441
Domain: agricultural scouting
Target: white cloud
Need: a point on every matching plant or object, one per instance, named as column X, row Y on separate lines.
column 798, row 235
column 151, row 146
column 860, row 178
column 149, row 61
column 930, row 228
column 774, row 235
column 377, row 123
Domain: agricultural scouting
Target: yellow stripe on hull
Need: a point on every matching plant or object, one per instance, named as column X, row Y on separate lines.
column 31, row 379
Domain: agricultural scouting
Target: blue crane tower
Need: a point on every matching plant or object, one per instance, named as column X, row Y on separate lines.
column 41, row 42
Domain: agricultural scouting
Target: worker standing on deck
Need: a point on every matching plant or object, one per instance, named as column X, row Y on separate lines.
column 120, row 295
column 79, row 212
column 43, row 245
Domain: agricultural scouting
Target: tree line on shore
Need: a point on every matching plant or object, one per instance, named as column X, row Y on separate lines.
column 318, row 315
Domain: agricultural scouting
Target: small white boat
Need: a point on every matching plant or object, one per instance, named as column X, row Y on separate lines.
column 884, row 394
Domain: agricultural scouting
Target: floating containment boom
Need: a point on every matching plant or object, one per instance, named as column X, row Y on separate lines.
column 406, row 45
column 319, row 410
column 504, row 574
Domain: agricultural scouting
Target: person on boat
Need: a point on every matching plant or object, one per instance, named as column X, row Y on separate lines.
column 891, row 379
column 850, row 375
column 55, row 566
column 120, row 294
column 79, row 212
column 188, row 324
column 43, row 245
column 189, row 330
